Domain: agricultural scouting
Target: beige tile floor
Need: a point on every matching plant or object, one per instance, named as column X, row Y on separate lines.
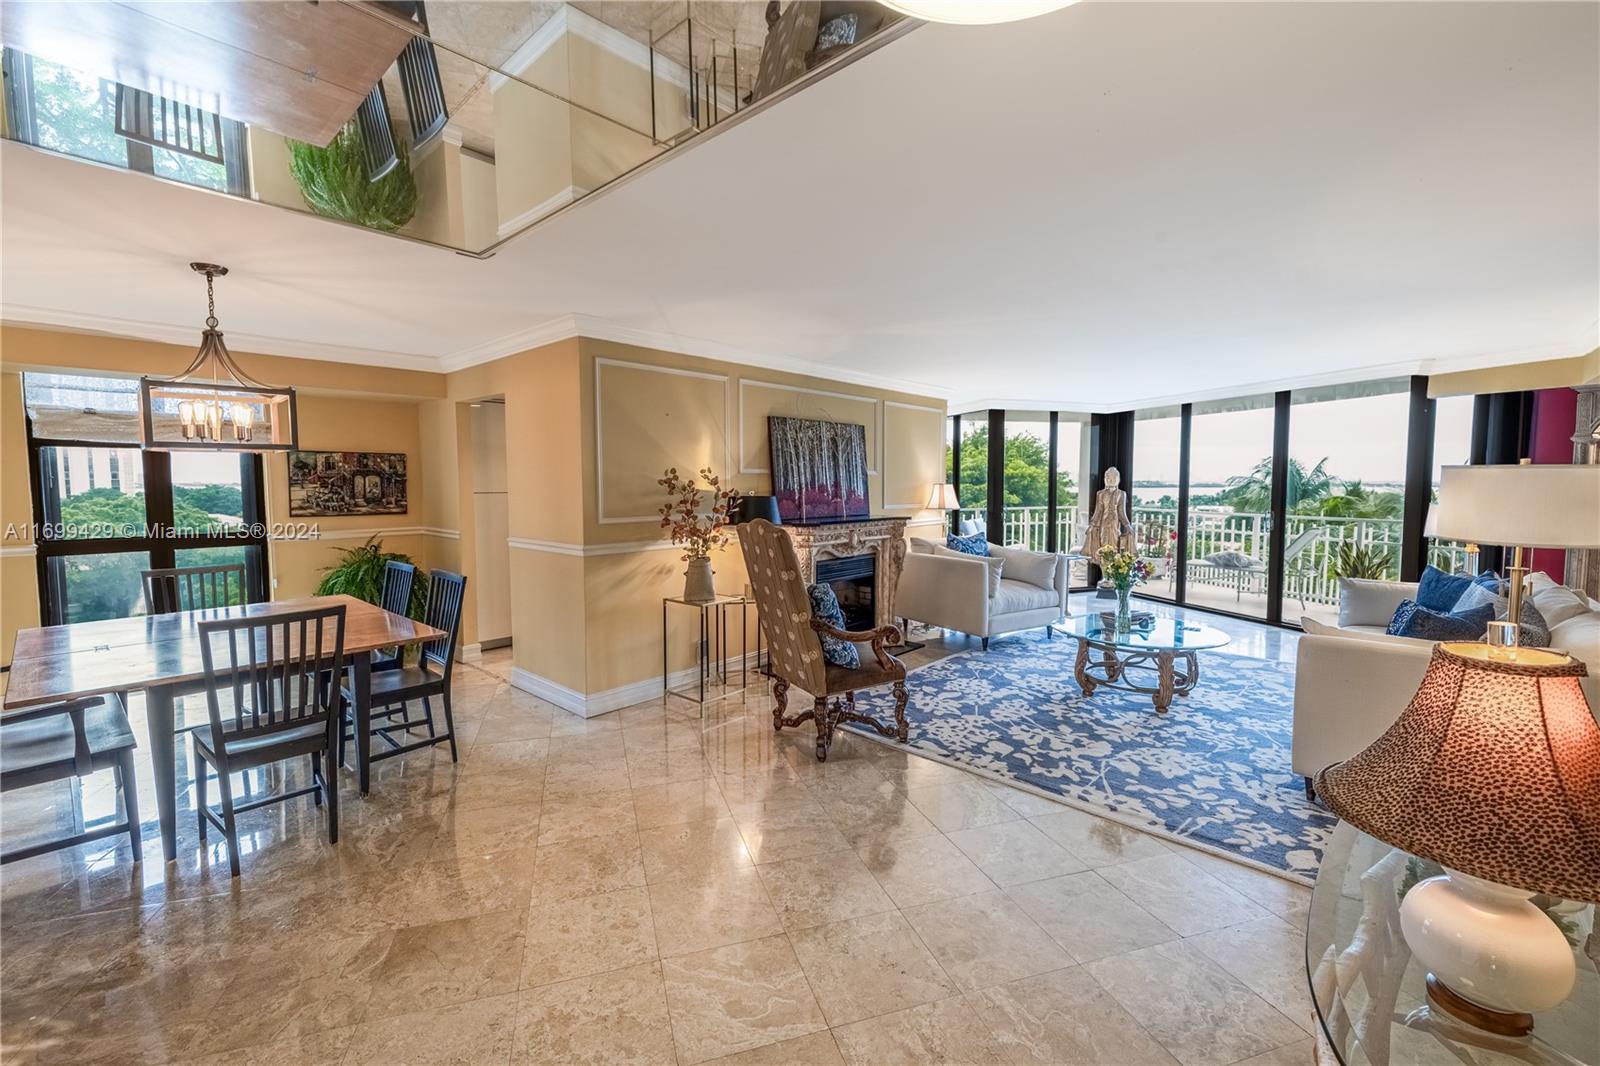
column 650, row 886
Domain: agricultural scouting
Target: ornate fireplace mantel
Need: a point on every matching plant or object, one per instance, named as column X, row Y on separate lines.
column 884, row 538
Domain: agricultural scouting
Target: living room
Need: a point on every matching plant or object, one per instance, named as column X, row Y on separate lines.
column 615, row 583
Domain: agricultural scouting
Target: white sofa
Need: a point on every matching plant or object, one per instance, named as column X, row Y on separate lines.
column 1352, row 680
column 953, row 591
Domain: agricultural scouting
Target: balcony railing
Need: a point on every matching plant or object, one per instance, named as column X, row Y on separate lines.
column 1311, row 571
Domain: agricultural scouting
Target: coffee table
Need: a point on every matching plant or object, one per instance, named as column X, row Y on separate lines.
column 1167, row 646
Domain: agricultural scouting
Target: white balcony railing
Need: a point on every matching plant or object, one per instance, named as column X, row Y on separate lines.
column 1311, row 575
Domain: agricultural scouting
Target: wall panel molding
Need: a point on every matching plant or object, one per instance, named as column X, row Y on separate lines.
column 600, row 364
column 877, row 417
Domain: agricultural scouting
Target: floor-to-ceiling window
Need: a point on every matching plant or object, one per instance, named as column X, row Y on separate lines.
column 1345, row 493
column 1229, row 503
column 1452, row 446
column 973, row 488
column 1072, row 475
column 1154, row 492
column 1027, row 481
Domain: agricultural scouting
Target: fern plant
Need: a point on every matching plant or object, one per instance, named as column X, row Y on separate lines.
column 1361, row 560
column 359, row 573
column 334, row 182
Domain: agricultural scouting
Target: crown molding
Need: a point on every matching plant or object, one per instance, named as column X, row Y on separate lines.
column 560, row 328
column 249, row 343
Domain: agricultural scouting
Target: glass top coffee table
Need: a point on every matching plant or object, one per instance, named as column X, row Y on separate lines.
column 1371, row 995
column 1167, row 647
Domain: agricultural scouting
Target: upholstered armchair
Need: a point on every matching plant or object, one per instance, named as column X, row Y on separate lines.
column 796, row 649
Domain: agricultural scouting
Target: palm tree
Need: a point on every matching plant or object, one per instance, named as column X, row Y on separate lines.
column 1252, row 492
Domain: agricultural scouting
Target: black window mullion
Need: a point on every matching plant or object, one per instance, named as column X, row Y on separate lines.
column 954, row 517
column 1180, row 580
column 1419, row 480
column 158, row 506
column 995, row 494
column 1051, row 494
column 1281, row 405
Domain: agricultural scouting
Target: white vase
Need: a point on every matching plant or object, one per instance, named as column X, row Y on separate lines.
column 697, row 587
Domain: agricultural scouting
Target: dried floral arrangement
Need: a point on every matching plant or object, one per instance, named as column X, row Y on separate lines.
column 695, row 531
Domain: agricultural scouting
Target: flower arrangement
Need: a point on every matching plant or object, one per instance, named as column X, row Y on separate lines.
column 697, row 533
column 1124, row 568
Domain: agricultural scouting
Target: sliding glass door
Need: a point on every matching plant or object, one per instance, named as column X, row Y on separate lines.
column 1153, row 491
column 1229, row 504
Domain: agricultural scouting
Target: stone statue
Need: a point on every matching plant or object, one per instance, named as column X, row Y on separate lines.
column 1109, row 523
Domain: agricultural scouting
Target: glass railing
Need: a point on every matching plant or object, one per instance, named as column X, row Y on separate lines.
column 498, row 117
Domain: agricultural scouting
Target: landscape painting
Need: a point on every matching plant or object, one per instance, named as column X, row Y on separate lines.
column 819, row 469
column 323, row 484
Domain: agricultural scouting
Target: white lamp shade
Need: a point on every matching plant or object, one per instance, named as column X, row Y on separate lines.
column 943, row 498
column 1529, row 506
column 974, row 12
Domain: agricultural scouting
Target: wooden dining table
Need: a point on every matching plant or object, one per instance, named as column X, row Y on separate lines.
column 159, row 655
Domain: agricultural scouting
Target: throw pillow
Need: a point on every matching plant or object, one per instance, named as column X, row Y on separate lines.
column 1579, row 637
column 1439, row 591
column 976, row 544
column 995, row 563
column 1231, row 560
column 1035, row 568
column 1558, row 603
column 1413, row 619
column 825, row 606
column 1532, row 630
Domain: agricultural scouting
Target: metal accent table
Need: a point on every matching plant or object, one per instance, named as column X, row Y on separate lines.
column 1370, row 995
column 713, row 634
column 1158, row 646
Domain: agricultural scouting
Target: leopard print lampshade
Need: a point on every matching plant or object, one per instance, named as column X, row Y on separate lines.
column 1493, row 770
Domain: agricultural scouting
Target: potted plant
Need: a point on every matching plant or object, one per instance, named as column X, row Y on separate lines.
column 696, row 532
column 334, row 182
column 359, row 573
column 1124, row 570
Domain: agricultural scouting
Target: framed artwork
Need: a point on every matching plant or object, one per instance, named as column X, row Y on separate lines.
column 341, row 483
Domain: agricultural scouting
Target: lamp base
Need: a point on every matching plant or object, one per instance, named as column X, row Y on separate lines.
column 1500, row 1023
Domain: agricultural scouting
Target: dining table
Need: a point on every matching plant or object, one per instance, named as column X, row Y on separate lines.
column 160, row 655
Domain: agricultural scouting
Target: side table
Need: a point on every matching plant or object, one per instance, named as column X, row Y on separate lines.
column 711, row 658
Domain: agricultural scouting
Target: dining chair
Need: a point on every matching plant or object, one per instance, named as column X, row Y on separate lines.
column 67, row 740
column 398, row 578
column 193, row 588
column 279, row 671
column 393, row 690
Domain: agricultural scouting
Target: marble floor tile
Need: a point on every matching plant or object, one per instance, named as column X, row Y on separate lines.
column 869, row 820
column 1269, row 956
column 823, row 888
column 483, row 830
column 461, row 886
column 985, row 939
column 703, row 913
column 682, row 801
column 963, row 805
column 1287, row 900
column 946, row 1033
column 1088, row 917
column 589, row 815
column 1013, row 852
column 525, row 756
column 479, row 788
column 815, row 1049
column 646, row 768
column 587, row 935
column 692, row 850
column 447, row 962
column 907, row 771
column 1299, row 1053
column 738, row 997
column 461, row 1034
column 1096, row 841
column 791, row 831
column 865, row 967
column 1027, row 804
column 1065, row 1018
column 326, row 1047
column 617, row 1017
column 1198, row 1011
column 921, row 870
column 1180, row 894
column 586, row 866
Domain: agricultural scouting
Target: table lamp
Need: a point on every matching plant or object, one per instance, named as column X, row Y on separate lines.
column 750, row 508
column 1520, row 506
column 1493, row 772
column 943, row 498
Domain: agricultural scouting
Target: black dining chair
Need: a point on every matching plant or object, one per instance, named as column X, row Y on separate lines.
column 193, row 588
column 393, row 690
column 66, row 740
column 279, row 671
column 398, row 578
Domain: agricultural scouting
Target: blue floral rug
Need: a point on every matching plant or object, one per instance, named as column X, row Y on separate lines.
column 1212, row 772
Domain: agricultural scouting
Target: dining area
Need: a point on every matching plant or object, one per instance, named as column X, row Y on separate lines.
column 328, row 685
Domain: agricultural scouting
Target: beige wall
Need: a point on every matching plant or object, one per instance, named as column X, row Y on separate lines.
column 19, row 584
column 1548, row 374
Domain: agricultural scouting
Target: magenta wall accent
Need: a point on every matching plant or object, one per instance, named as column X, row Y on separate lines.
column 1555, row 411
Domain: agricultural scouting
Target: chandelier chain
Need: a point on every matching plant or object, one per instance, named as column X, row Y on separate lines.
column 211, row 302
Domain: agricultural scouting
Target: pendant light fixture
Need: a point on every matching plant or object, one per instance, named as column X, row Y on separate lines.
column 975, row 12
column 213, row 405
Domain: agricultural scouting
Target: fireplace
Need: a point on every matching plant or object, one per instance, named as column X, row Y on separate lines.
column 854, row 579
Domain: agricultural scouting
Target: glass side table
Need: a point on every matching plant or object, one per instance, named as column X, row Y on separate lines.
column 711, row 658
column 1371, row 1002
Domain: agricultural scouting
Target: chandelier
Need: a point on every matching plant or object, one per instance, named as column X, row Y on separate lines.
column 213, row 405
column 975, row 12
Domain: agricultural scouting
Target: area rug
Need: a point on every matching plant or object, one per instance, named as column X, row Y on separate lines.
column 1212, row 772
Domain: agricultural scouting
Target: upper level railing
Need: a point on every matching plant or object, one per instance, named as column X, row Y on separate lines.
column 489, row 117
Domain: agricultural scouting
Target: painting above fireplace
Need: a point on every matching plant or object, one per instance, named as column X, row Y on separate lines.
column 819, row 470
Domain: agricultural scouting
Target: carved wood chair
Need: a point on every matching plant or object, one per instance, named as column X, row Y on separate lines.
column 796, row 650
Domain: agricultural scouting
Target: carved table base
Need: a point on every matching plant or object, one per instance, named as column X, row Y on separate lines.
column 1102, row 666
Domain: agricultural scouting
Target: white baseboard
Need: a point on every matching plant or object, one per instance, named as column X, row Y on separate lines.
column 470, row 653
column 593, row 704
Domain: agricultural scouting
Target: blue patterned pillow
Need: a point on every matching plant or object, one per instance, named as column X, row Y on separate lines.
column 1412, row 619
column 825, row 606
column 977, row 544
column 1439, row 591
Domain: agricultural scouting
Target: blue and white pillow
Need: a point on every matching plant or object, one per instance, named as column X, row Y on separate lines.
column 977, row 544
column 1412, row 619
column 1439, row 591
column 825, row 606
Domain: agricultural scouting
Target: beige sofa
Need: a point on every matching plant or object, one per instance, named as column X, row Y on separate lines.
column 951, row 590
column 1352, row 680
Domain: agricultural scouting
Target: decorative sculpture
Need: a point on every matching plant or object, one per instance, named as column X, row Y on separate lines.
column 1109, row 523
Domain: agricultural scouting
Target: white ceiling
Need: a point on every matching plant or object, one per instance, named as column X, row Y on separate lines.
column 1112, row 205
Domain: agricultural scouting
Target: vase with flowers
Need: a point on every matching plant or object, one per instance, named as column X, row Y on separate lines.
column 1124, row 570
column 694, row 530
